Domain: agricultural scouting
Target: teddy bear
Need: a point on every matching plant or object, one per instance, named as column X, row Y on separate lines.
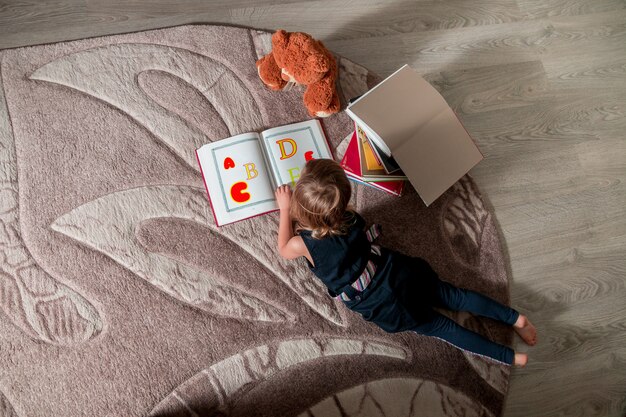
column 297, row 57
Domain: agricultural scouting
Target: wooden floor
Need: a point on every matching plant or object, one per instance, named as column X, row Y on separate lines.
column 540, row 85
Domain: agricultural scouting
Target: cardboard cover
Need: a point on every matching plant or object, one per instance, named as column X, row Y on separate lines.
column 421, row 131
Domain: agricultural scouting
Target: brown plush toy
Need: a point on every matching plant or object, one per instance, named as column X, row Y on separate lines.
column 299, row 58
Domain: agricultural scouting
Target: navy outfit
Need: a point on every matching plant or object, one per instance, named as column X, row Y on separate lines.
column 402, row 291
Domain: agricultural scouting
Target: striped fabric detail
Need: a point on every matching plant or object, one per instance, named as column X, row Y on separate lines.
column 370, row 269
column 343, row 297
column 373, row 232
column 365, row 278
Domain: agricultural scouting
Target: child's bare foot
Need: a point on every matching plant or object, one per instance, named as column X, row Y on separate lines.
column 526, row 330
column 520, row 360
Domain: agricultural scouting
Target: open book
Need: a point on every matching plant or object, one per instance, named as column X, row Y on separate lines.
column 241, row 173
column 405, row 117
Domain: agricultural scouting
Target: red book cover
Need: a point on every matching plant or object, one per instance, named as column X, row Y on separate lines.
column 352, row 165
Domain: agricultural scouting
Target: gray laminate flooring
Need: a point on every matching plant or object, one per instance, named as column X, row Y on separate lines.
column 540, row 85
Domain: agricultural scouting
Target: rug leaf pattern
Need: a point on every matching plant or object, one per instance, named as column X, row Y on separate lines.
column 407, row 397
column 108, row 74
column 38, row 304
column 176, row 89
column 6, row 409
column 218, row 384
column 464, row 221
column 108, row 225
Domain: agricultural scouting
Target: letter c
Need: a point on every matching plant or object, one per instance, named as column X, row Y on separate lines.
column 238, row 192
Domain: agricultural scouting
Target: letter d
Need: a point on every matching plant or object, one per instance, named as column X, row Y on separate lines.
column 281, row 146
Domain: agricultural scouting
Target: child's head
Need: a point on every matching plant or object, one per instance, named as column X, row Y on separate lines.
column 320, row 198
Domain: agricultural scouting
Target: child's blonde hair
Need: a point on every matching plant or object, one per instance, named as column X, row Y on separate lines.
column 320, row 199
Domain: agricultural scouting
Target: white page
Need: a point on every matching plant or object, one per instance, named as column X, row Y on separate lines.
column 373, row 135
column 423, row 133
column 445, row 153
column 237, row 178
column 289, row 147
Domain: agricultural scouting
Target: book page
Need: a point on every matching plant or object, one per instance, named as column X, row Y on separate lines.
column 438, row 155
column 398, row 107
column 424, row 135
column 363, row 147
column 289, row 148
column 237, row 178
column 389, row 164
column 373, row 136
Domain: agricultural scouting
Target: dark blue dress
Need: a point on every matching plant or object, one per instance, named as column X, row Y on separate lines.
column 394, row 299
column 403, row 291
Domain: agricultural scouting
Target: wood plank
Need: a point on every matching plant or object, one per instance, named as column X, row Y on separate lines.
column 582, row 386
column 448, row 50
column 477, row 90
column 372, row 18
column 535, row 9
column 463, row 48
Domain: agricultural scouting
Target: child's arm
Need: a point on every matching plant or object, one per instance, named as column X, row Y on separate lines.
column 289, row 246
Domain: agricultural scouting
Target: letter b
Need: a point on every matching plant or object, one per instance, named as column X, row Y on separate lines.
column 251, row 170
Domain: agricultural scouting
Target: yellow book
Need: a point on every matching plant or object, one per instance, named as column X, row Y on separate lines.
column 371, row 162
column 370, row 158
column 378, row 174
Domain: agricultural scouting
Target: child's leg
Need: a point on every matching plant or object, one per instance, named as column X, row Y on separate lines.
column 453, row 298
column 446, row 329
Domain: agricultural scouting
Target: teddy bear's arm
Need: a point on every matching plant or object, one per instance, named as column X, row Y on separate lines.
column 270, row 72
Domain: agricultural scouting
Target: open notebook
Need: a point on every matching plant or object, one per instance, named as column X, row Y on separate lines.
column 407, row 118
column 241, row 173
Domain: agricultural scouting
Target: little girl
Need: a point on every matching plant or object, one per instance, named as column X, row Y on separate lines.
column 395, row 291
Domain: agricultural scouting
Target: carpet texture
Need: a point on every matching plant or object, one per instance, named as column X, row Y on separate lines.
column 120, row 297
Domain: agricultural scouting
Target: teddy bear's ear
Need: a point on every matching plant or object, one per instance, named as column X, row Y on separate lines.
column 279, row 38
column 318, row 62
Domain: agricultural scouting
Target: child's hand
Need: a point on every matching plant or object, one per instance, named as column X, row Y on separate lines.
column 283, row 197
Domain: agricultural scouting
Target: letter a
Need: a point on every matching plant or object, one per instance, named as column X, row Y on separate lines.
column 251, row 171
column 229, row 163
column 283, row 154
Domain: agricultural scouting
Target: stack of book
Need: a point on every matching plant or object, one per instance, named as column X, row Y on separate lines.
column 405, row 120
column 366, row 164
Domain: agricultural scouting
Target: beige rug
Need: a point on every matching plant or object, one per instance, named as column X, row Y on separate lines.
column 119, row 296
